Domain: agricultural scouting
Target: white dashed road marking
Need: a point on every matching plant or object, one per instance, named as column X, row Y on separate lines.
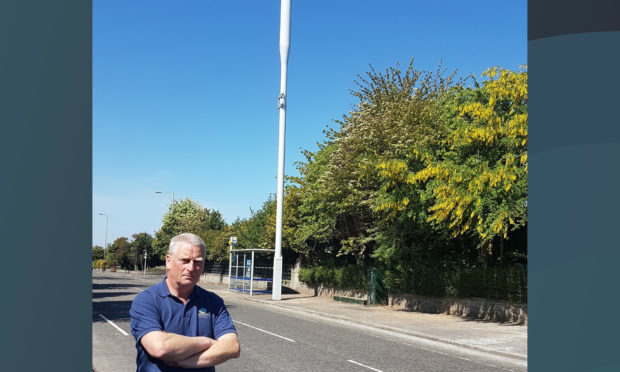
column 262, row 330
column 114, row 325
column 363, row 365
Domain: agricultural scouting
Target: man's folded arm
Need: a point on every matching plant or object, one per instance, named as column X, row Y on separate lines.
column 171, row 347
column 224, row 348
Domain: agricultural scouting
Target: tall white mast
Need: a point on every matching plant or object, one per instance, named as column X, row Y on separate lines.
column 285, row 38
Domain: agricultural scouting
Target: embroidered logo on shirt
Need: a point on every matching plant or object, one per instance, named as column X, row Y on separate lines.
column 202, row 312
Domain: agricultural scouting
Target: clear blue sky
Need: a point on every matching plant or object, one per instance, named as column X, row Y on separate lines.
column 185, row 92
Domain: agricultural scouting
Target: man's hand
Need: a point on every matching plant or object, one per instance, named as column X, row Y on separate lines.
column 223, row 349
column 172, row 348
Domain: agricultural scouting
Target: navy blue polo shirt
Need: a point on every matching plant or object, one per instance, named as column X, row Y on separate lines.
column 156, row 309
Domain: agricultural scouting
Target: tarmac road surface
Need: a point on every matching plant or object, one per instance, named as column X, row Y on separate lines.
column 279, row 339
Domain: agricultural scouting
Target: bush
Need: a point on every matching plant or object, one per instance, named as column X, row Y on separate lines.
column 306, row 276
column 347, row 277
column 156, row 270
column 111, row 261
column 325, row 276
column 500, row 283
column 429, row 281
column 97, row 264
column 351, row 277
column 495, row 283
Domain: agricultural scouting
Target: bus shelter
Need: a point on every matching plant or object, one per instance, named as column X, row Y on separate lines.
column 250, row 270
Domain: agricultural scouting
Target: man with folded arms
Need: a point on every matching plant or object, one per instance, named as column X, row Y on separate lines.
column 179, row 326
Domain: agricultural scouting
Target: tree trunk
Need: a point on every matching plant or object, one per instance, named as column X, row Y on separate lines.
column 501, row 250
column 485, row 249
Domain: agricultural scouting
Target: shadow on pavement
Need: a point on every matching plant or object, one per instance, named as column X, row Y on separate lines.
column 112, row 294
column 97, row 286
column 296, row 297
column 113, row 310
column 503, row 323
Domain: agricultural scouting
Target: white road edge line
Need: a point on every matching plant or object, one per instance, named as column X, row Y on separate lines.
column 114, row 325
column 137, row 289
column 363, row 365
column 262, row 330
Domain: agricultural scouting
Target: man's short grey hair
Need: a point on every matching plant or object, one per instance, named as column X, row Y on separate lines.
column 188, row 238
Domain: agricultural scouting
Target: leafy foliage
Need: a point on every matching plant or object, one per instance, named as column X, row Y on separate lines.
column 119, row 253
column 475, row 179
column 97, row 252
column 188, row 216
column 426, row 176
column 347, row 277
column 338, row 187
column 143, row 242
column 258, row 231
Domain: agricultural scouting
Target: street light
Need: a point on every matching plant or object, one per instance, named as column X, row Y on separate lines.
column 145, row 262
column 105, row 241
column 166, row 192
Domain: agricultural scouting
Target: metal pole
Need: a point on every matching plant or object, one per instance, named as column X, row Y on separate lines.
column 236, row 269
column 145, row 262
column 252, row 275
column 229, row 265
column 105, row 240
column 285, row 37
column 244, row 273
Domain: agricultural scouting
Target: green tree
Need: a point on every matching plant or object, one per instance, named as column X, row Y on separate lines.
column 183, row 216
column 215, row 220
column 425, row 176
column 140, row 243
column 119, row 253
column 188, row 216
column 255, row 232
column 474, row 181
column 215, row 235
column 217, row 244
column 339, row 185
column 97, row 252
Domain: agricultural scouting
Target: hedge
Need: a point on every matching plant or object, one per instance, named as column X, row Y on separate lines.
column 495, row 283
column 347, row 277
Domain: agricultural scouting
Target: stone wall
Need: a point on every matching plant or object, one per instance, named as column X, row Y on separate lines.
column 473, row 308
column 214, row 278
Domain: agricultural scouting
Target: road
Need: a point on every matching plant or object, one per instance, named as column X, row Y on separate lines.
column 275, row 339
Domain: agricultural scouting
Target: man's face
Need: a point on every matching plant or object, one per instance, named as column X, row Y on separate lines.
column 186, row 265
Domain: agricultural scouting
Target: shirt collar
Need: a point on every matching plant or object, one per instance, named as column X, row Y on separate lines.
column 162, row 288
column 163, row 291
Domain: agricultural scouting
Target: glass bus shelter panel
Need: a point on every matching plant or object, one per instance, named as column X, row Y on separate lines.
column 250, row 273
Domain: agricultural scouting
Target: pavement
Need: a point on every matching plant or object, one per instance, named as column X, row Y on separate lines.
column 501, row 339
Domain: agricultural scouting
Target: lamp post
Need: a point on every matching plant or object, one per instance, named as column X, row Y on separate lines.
column 285, row 41
column 105, row 241
column 145, row 262
column 166, row 192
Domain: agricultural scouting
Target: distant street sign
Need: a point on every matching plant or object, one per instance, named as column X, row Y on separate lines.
column 233, row 240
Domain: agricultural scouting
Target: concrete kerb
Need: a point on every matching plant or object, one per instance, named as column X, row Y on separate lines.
column 351, row 321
